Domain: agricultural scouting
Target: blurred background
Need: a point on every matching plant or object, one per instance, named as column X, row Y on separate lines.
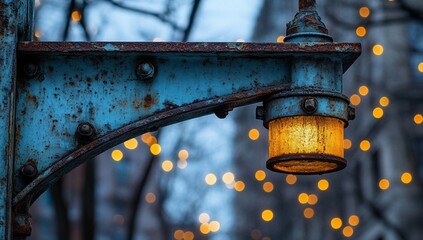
column 206, row 178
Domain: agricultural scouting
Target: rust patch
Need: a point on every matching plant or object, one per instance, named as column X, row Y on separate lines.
column 146, row 103
column 149, row 101
column 33, row 99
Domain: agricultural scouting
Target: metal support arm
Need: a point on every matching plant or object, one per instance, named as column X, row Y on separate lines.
column 121, row 90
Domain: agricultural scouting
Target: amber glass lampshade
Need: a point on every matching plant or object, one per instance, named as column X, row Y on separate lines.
column 306, row 145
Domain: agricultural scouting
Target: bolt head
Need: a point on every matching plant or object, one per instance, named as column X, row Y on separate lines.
column 222, row 114
column 260, row 113
column 146, row 71
column 29, row 170
column 85, row 129
column 30, row 69
column 309, row 105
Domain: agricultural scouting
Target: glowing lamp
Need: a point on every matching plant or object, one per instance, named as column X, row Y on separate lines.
column 306, row 145
column 306, row 130
column 306, row 122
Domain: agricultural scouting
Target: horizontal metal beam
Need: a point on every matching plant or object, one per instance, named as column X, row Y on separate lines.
column 347, row 52
column 61, row 85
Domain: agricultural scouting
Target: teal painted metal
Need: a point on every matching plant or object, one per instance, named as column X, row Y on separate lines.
column 8, row 44
column 25, row 19
column 76, row 100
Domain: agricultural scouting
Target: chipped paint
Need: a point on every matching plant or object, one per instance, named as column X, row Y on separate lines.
column 110, row 47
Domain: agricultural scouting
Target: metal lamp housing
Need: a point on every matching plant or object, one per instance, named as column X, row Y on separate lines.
column 306, row 122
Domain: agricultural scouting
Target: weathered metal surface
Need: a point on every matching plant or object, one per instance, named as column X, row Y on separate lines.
column 327, row 105
column 316, row 77
column 307, row 25
column 8, row 38
column 98, row 83
column 312, row 160
column 345, row 52
column 25, row 19
column 307, row 5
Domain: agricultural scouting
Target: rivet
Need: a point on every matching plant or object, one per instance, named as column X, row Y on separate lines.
column 146, row 71
column 222, row 113
column 85, row 133
column 29, row 170
column 30, row 69
column 85, row 129
column 309, row 105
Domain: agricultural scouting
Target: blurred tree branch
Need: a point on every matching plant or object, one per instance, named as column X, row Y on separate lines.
column 159, row 16
column 402, row 14
column 135, row 201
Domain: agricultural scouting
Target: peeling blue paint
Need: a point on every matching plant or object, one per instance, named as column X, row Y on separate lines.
column 110, row 47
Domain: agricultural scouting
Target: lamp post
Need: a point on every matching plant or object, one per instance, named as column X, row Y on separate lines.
column 66, row 102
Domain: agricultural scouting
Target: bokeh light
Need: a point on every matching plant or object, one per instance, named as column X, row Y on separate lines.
column 384, row 101
column 189, row 235
column 420, row 67
column 204, row 218
column 363, row 90
column 210, row 179
column 253, row 134
column 418, row 119
column 239, row 186
column 183, row 154
column 260, row 175
column 131, row 144
column 406, row 178
column 364, row 12
column 205, row 228
column 280, row 39
column 228, row 178
column 361, row 31
column 365, row 145
column 155, row 149
column 291, row 179
column 312, row 199
column 384, row 184
column 355, row 100
column 76, row 16
column 268, row 187
column 267, row 215
column 323, row 185
column 336, row 223
column 150, row 198
column 308, row 213
column 378, row 49
column 348, row 231
column 178, row 234
column 347, row 143
column 353, row 220
column 167, row 165
column 214, row 226
column 377, row 112
column 117, row 155
column 303, row 198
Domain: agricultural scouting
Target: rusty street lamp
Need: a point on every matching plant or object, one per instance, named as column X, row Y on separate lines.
column 63, row 103
column 306, row 122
